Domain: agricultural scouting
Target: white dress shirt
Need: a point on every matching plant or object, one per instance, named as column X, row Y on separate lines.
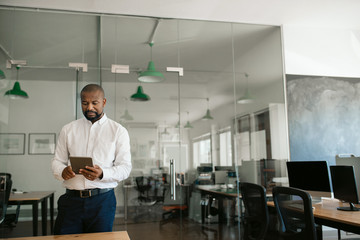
column 105, row 141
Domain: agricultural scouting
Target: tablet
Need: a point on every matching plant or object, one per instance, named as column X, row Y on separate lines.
column 78, row 163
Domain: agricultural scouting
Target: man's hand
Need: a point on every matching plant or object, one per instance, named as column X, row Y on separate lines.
column 67, row 173
column 92, row 173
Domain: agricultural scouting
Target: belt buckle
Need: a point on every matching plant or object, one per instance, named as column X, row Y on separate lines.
column 85, row 193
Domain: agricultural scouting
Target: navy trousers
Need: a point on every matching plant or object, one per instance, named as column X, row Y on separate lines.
column 85, row 215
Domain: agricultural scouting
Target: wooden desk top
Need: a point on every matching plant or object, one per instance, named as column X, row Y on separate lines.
column 327, row 210
column 29, row 196
column 216, row 189
column 228, row 192
column 85, row 236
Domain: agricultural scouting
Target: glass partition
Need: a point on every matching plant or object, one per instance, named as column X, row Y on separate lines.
column 260, row 123
column 196, row 116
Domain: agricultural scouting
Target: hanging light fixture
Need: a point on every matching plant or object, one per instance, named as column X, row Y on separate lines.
column 188, row 125
column 151, row 75
column 207, row 116
column 16, row 92
column 2, row 74
column 165, row 132
column 126, row 116
column 140, row 96
column 178, row 125
column 246, row 98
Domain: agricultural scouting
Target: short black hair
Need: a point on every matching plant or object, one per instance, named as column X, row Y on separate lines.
column 92, row 88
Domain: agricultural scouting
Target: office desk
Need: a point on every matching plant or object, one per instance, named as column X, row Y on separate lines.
column 220, row 194
column 85, row 236
column 34, row 198
column 217, row 191
column 325, row 213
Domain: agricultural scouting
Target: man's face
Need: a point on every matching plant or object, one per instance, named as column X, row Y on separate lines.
column 92, row 104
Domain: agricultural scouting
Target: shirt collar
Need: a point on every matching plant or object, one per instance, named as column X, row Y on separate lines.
column 101, row 121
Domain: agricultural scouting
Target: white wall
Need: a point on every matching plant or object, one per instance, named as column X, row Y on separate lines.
column 43, row 112
column 322, row 52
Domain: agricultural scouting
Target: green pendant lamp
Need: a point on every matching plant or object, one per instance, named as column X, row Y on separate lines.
column 151, row 75
column 188, row 125
column 165, row 132
column 207, row 115
column 2, row 74
column 246, row 98
column 16, row 92
column 126, row 116
column 140, row 96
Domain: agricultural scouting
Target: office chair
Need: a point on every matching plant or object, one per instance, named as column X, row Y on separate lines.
column 5, row 189
column 8, row 220
column 295, row 214
column 144, row 199
column 174, row 209
column 256, row 216
column 143, row 186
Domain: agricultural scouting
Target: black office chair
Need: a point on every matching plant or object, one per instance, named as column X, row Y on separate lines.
column 143, row 186
column 295, row 213
column 256, row 216
column 146, row 200
column 8, row 220
column 5, row 190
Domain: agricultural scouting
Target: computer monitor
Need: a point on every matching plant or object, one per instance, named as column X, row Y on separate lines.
column 311, row 176
column 350, row 161
column 221, row 177
column 344, row 186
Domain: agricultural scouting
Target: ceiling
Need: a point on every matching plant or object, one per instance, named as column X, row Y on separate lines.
column 320, row 13
column 206, row 50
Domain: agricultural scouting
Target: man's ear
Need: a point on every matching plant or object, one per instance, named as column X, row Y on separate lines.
column 104, row 101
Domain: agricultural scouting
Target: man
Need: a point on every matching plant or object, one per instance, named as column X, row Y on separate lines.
column 89, row 202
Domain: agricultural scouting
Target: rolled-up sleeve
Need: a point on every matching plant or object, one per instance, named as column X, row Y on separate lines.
column 60, row 160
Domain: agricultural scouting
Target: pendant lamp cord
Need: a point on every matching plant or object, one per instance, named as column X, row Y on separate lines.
column 77, row 92
column 17, row 72
column 151, row 52
column 247, row 82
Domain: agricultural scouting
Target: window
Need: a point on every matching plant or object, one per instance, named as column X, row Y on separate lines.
column 225, row 148
column 202, row 150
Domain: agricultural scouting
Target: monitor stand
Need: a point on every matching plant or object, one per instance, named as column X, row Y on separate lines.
column 351, row 208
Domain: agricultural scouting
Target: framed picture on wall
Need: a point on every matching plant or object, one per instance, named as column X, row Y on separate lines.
column 42, row 143
column 12, row 143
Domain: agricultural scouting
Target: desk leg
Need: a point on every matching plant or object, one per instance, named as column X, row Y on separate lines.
column 221, row 214
column 203, row 206
column 35, row 218
column 52, row 214
column 44, row 216
column 125, row 202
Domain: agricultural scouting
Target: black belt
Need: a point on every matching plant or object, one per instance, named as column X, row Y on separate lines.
column 87, row 192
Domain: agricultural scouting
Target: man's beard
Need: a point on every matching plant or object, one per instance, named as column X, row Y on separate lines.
column 95, row 118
